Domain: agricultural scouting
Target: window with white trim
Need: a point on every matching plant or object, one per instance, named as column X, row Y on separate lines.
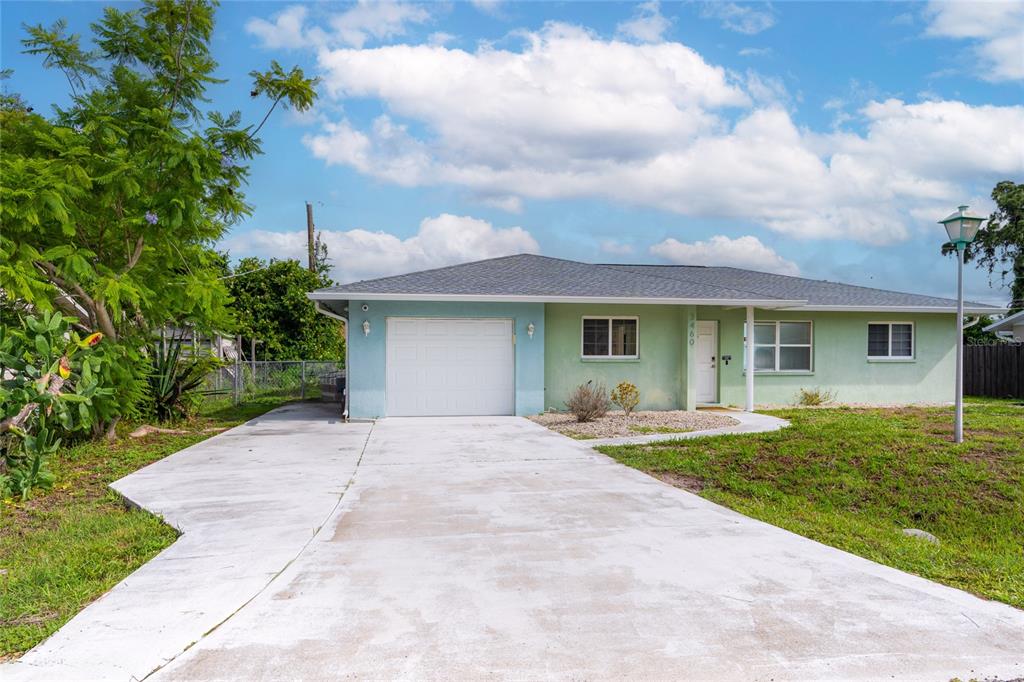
column 783, row 346
column 890, row 340
column 610, row 337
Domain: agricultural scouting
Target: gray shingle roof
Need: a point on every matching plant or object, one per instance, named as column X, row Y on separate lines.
column 542, row 277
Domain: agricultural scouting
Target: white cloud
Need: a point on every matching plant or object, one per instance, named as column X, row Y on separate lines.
column 440, row 38
column 743, row 252
column 647, row 24
column 492, row 7
column 995, row 29
column 745, row 18
column 755, row 52
column 615, row 247
column 285, row 31
column 766, row 89
column 361, row 254
column 378, row 19
column 571, row 115
column 365, row 21
column 511, row 204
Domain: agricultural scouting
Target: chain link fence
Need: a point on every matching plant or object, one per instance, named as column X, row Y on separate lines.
column 285, row 380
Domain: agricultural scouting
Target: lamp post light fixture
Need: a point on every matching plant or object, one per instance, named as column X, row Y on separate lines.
column 962, row 227
column 366, row 327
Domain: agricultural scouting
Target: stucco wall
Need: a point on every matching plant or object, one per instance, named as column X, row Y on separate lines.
column 367, row 354
column 549, row 366
column 659, row 372
column 840, row 359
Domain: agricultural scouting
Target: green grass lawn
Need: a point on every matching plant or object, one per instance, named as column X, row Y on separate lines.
column 854, row 478
column 66, row 546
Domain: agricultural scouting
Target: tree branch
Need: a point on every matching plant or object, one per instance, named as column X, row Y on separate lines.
column 177, row 57
column 269, row 112
column 96, row 308
column 136, row 254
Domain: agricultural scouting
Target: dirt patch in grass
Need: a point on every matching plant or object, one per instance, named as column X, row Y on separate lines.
column 693, row 484
column 617, row 424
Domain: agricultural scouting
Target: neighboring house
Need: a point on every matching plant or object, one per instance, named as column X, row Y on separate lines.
column 1011, row 326
column 516, row 335
column 220, row 346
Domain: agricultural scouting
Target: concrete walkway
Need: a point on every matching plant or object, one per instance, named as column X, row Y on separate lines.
column 247, row 501
column 470, row 548
column 749, row 422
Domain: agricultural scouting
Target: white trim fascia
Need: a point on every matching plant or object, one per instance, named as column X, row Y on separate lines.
column 324, row 311
column 1007, row 323
column 767, row 304
column 487, row 298
column 893, row 309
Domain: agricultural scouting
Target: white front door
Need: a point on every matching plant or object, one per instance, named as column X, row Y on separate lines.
column 707, row 361
column 446, row 366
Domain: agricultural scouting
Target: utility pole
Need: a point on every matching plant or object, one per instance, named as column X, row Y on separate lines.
column 309, row 236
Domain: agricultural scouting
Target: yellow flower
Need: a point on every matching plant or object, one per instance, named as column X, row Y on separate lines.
column 90, row 340
column 64, row 368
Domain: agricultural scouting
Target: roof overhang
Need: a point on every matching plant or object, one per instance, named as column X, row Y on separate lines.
column 968, row 309
column 1007, row 323
column 485, row 298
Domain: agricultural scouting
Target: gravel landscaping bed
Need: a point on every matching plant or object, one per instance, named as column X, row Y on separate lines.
column 616, row 424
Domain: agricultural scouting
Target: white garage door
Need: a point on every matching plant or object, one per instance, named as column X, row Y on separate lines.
column 449, row 367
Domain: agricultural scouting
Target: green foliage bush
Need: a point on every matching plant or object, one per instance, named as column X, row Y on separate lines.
column 270, row 304
column 626, row 396
column 50, row 388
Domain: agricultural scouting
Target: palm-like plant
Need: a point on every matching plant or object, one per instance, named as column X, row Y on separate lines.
column 175, row 378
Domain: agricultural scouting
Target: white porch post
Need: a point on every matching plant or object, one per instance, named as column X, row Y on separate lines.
column 749, row 350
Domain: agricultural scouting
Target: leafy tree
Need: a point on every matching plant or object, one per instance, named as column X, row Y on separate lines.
column 976, row 334
column 270, row 305
column 1000, row 242
column 110, row 207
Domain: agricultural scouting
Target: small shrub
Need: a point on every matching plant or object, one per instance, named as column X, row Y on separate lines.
column 49, row 377
column 810, row 397
column 588, row 402
column 176, row 380
column 626, row 396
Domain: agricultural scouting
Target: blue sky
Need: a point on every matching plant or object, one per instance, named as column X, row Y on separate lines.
column 821, row 139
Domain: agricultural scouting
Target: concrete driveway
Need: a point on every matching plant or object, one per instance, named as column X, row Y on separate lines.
column 475, row 548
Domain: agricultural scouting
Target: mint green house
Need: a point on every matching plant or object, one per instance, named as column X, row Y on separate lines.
column 515, row 335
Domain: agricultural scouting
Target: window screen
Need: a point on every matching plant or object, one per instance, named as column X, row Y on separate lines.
column 890, row 340
column 595, row 337
column 609, row 337
column 783, row 347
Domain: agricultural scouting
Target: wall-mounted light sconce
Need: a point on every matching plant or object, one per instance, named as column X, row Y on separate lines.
column 366, row 327
column 530, row 329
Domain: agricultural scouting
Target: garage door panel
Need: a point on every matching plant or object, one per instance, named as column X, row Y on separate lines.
column 405, row 353
column 450, row 366
column 435, row 328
